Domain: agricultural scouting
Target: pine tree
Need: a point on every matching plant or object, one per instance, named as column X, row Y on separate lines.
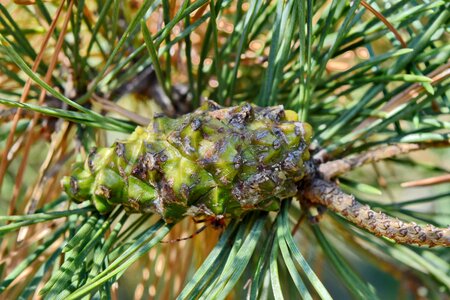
column 329, row 98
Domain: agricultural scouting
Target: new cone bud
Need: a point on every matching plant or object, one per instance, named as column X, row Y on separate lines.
column 214, row 161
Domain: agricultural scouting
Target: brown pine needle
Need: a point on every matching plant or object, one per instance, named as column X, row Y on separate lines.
column 427, row 181
column 9, row 142
column 385, row 21
column 31, row 135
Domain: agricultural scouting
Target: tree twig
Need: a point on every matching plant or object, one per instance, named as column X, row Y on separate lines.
column 338, row 167
column 326, row 193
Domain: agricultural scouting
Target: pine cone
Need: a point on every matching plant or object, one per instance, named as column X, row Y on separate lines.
column 214, row 161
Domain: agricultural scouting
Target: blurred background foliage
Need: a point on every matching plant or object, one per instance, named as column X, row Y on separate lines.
column 79, row 74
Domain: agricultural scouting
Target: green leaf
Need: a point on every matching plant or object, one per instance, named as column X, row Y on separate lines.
column 27, row 220
column 237, row 263
column 153, row 54
column 284, row 232
column 353, row 281
column 21, row 64
column 359, row 186
column 144, row 243
column 274, row 275
column 81, row 118
column 290, row 263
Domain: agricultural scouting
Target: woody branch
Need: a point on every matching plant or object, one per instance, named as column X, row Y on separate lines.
column 330, row 195
column 338, row 167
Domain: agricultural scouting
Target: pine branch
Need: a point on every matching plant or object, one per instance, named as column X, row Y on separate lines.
column 338, row 167
column 330, row 195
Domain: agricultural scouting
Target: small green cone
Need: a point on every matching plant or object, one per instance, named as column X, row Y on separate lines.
column 214, row 161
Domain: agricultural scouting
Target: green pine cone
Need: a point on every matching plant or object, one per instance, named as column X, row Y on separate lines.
column 214, row 161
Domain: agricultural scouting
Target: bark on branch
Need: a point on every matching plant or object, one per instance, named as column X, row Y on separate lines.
column 338, row 167
column 331, row 196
